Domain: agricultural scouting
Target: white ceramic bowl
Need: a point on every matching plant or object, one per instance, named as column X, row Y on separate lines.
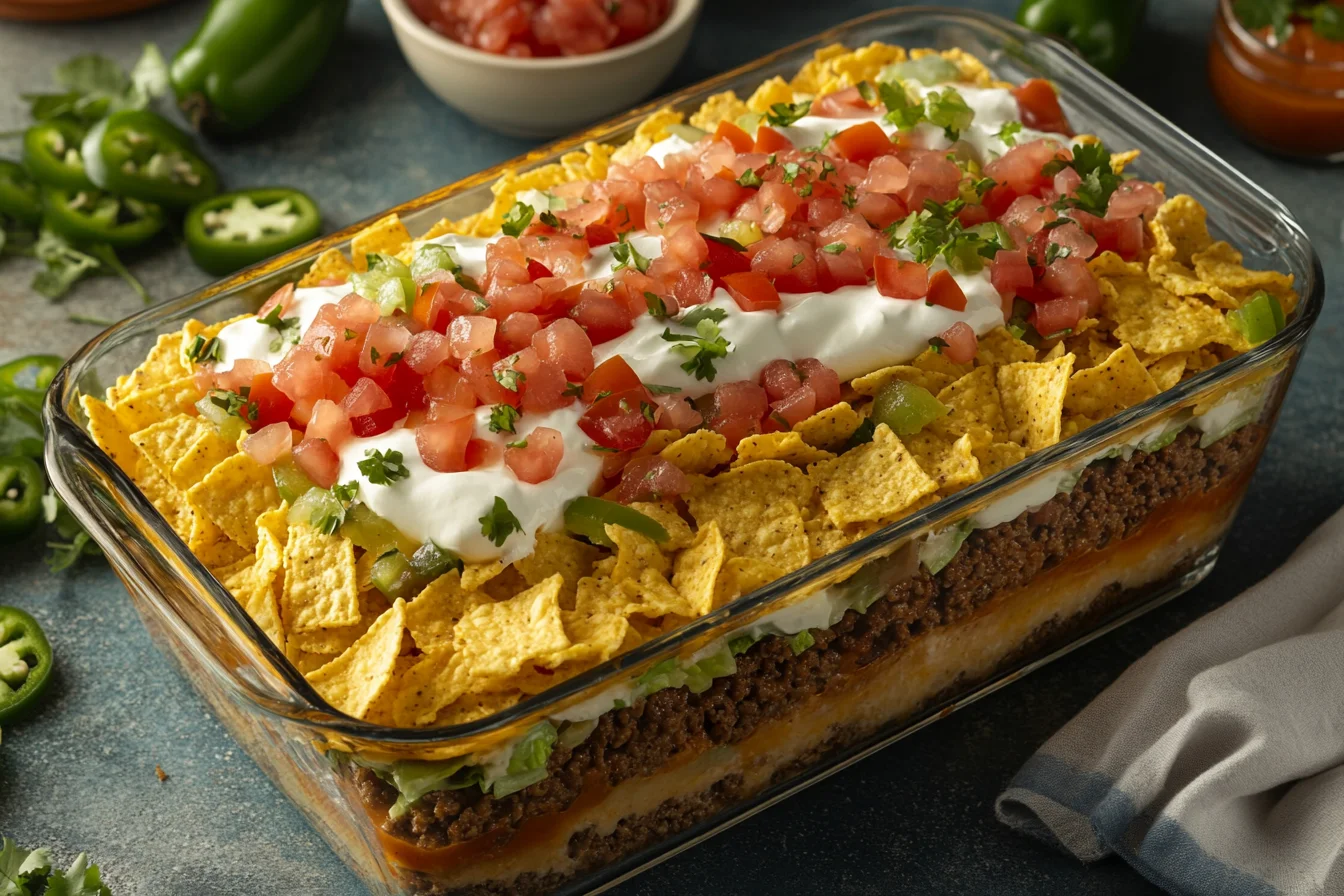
column 541, row 97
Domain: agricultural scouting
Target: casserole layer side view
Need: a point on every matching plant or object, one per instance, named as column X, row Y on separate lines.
column 891, row 389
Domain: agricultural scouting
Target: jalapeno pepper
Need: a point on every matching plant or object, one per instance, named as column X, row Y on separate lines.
column 233, row 230
column 18, row 194
column 91, row 216
column 139, row 154
column 249, row 57
column 1101, row 30
column 21, row 488
column 25, row 663
column 23, row 401
column 53, row 155
column 589, row 517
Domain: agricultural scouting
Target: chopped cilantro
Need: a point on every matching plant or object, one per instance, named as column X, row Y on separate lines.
column 202, row 350
column 1054, row 251
column 705, row 346
column 626, row 255
column 550, row 220
column 937, row 344
column 749, row 178
column 383, row 467
column 499, row 523
column 286, row 329
column 516, row 219
column 834, row 248
column 520, row 443
column 657, row 307
column 504, row 416
column 866, row 91
column 791, row 170
column 781, row 115
column 235, row 404
column 510, row 378
column 662, row 390
column 1008, row 133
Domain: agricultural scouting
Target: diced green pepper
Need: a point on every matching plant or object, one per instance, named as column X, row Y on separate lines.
column 1260, row 319
column 906, row 408
column 589, row 517
column 290, row 481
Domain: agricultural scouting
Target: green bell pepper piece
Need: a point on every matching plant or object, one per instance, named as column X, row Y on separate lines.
column 1102, row 30
column 25, row 663
column 249, row 57
column 234, row 230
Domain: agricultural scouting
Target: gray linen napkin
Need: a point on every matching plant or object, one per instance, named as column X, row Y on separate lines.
column 1215, row 764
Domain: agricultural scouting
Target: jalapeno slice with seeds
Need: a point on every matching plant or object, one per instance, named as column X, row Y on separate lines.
column 234, row 230
column 21, row 487
column 91, row 216
column 25, row 663
column 19, row 197
column 139, row 154
column 53, row 155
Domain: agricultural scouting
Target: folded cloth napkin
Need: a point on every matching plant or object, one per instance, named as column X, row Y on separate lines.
column 1215, row 764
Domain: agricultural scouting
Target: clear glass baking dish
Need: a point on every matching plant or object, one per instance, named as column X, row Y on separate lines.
column 1029, row 606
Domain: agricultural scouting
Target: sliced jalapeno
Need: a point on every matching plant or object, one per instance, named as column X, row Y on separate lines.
column 21, row 488
column 139, row 154
column 53, row 155
column 234, row 230
column 19, row 197
column 91, row 216
column 25, row 663
column 589, row 517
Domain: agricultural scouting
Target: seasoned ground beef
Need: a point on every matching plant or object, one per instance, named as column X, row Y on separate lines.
column 1111, row 501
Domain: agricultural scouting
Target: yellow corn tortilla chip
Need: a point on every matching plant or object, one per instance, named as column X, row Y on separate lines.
column 999, row 347
column 1109, row 264
column 189, row 331
column 697, row 569
column 436, row 681
column 825, row 537
column 1180, row 229
column 138, row 410
column 386, row 236
column 1120, row 382
column 1221, row 265
column 656, row 442
column 863, row 64
column 652, row 596
column 162, row 365
column 496, row 639
column 650, row 131
column 207, row 541
column 698, row 452
column 719, row 107
column 937, row 362
column 355, row 679
column 1175, row 277
column 932, row 380
column 475, row 575
column 679, row 534
column 1156, row 321
column 743, row 575
column 555, row 553
column 234, row 494
column 998, row 456
column 1167, row 370
column 319, row 590
column 831, row 428
column 973, row 405
column 436, row 610
column 184, row 449
column 1057, row 351
column 330, row 265
column 1120, row 160
column 335, row 641
column 259, row 602
column 593, row 639
column 738, row 498
column 167, row 499
column 951, row 463
column 775, row 90
column 873, row 482
column 635, row 553
column 108, row 434
column 1089, row 349
column 786, row 446
column 599, row 594
column 1032, row 394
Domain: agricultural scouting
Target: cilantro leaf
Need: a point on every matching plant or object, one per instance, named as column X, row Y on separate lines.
column 781, row 115
column 657, row 307
column 948, row 110
column 516, row 219
column 902, row 111
column 499, row 523
column 383, row 467
column 508, row 377
column 626, row 255
column 1327, row 20
column 702, row 349
column 704, row 312
column 286, row 329
column 749, row 178
column 503, row 417
column 64, row 265
column 1008, row 133
column 1256, row 14
column 82, row 879
column 202, row 350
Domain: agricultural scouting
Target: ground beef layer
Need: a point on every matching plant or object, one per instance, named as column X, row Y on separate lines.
column 1111, row 501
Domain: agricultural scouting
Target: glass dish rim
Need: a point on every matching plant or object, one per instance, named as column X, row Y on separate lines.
column 304, row 706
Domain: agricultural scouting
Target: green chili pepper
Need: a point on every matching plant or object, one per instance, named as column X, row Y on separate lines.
column 249, row 57
column 53, row 154
column 24, row 401
column 139, row 154
column 233, row 230
column 21, row 488
column 1101, row 30
column 589, row 517
column 19, row 197
column 25, row 663
column 90, row 216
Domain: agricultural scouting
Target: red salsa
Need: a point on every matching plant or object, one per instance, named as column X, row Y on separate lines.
column 542, row 27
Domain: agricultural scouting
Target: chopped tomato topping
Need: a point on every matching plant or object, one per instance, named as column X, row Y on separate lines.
column 330, row 423
column 752, row 291
column 318, row 461
column 739, row 139
column 443, row 444
column 266, row 404
column 268, row 444
column 621, row 421
column 961, row 343
column 822, row 380
column 537, row 459
column 278, row 299
column 901, row 279
column 770, row 140
column 1054, row 316
column 1039, row 106
column 862, row 142
column 602, row 317
column 650, row 479
column 945, row 291
column 611, row 376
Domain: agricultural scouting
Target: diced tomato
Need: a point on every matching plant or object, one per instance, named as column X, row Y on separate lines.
column 301, row 374
column 446, row 384
column 383, row 347
column 602, row 317
column 483, row 453
column 665, row 203
column 1125, row 237
column 770, row 140
column 822, row 380
column 752, row 291
column 1070, row 276
column 517, row 330
column 480, row 371
column 366, row 397
column 881, row 209
column 443, row 445
column 723, row 260
column 683, row 247
column 241, row 374
column 564, row 343
column 357, row 312
column 536, row 270
column 543, row 382
column 676, row 412
column 537, row 460
column 961, row 343
column 268, row 444
column 886, row 174
column 789, row 263
column 599, row 235
column 1055, row 315
column 318, row 461
column 471, row 335
column 900, row 279
column 426, row 351
column 441, row 300
column 692, row 287
column 611, row 376
column 1029, row 213
column 1071, row 237
column 823, row 210
column 795, row 407
column 330, row 423
column 1134, row 199
column 846, row 103
column 997, row 200
column 265, row 403
column 1039, row 106
column 736, row 411
column 945, row 291
column 1066, row 181
column 278, row 299
column 780, row 379
column 737, row 138
column 862, row 142
column 621, row 421
column 650, row 479
column 1010, row 272
column 375, row 424
column 1020, row 167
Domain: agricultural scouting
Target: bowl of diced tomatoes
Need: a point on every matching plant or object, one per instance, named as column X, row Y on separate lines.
column 538, row 68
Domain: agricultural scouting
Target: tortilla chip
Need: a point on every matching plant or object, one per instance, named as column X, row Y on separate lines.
column 162, row 365
column 697, row 569
column 698, row 452
column 1118, row 383
column 733, row 497
column 999, row 347
column 931, row 380
column 319, row 590
column 1180, row 229
column 743, row 575
column 436, row 610
column 635, row 553
column 1167, row 370
column 138, row 410
column 808, row 80
column 234, row 494
column 875, row 481
column 167, row 499
column 1032, row 394
column 973, row 406
column 679, row 534
column 355, row 679
column 998, row 456
column 1109, row 264
column 720, row 107
column 475, row 575
column 937, row 362
column 433, row 683
column 1221, row 265
column 950, row 463
column 656, row 442
column 386, row 236
column 109, row 434
column 496, row 639
column 1156, row 321
column 831, row 428
column 330, row 265
column 786, row 446
column 556, row 552
column 652, row 596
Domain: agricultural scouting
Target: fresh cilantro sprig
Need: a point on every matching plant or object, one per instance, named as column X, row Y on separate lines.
column 945, row 108
column 383, row 467
column 32, row 872
column 235, row 404
column 1008, row 133
column 705, row 346
column 1092, row 161
column 627, row 255
column 516, row 219
column 503, row 418
column 65, row 264
column 781, row 115
column 286, row 329
column 499, row 523
column 936, row 231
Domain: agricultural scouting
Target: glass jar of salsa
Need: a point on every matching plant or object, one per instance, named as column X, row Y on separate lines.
column 1282, row 83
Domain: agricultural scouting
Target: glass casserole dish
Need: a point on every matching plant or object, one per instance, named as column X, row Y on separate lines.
column 1030, row 562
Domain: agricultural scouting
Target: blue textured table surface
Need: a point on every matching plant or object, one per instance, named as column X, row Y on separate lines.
column 916, row 818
